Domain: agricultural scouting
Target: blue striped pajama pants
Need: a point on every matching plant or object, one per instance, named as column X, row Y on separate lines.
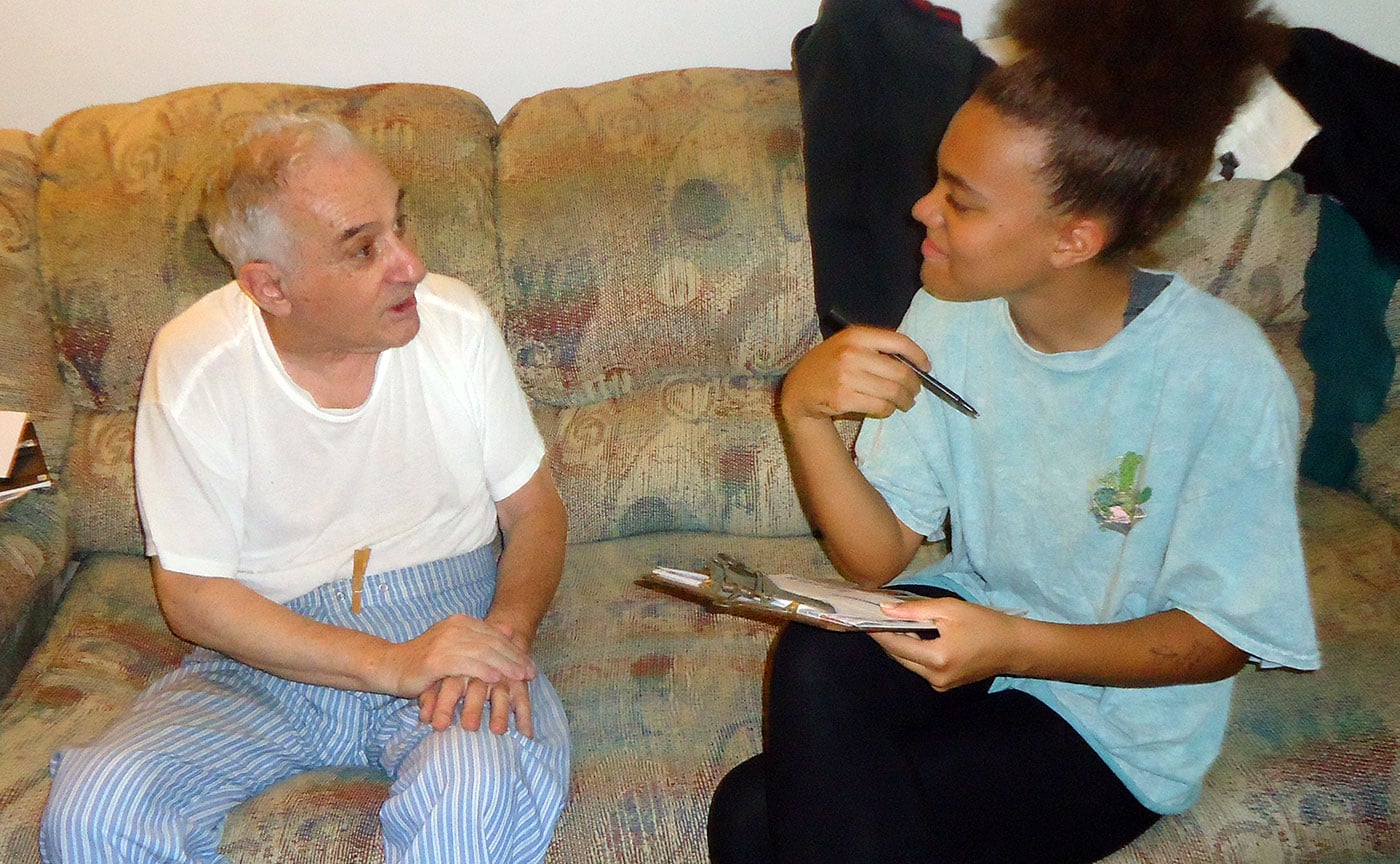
column 158, row 785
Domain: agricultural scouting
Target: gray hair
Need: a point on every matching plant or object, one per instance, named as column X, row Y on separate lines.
column 241, row 209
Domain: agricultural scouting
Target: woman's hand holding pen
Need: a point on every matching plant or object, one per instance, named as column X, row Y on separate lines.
column 853, row 372
column 974, row 642
column 848, row 374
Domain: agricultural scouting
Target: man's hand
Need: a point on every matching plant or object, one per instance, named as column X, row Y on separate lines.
column 507, row 697
column 230, row 618
column 534, row 526
column 456, row 647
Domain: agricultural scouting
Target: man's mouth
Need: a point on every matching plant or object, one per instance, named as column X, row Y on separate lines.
column 406, row 305
column 929, row 249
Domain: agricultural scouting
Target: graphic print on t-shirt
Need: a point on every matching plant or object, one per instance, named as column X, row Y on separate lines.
column 1117, row 502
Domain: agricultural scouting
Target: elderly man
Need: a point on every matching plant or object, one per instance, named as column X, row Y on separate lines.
column 325, row 448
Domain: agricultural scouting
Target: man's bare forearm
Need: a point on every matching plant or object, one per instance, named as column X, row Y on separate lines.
column 228, row 617
column 534, row 528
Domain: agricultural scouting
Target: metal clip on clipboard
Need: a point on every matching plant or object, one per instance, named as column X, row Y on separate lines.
column 730, row 580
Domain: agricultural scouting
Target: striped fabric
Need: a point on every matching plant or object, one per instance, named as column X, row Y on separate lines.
column 159, row 784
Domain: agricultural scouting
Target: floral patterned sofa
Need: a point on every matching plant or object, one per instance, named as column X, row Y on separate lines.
column 644, row 245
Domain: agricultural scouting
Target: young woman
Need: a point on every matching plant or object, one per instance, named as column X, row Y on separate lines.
column 1124, row 532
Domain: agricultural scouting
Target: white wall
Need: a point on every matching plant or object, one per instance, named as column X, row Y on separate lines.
column 59, row 55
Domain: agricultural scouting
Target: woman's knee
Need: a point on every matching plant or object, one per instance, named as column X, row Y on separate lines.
column 738, row 823
column 810, row 657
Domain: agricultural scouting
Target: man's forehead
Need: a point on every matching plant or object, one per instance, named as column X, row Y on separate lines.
column 345, row 192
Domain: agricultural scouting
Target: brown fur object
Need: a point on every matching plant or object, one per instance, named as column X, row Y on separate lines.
column 1173, row 71
column 1132, row 95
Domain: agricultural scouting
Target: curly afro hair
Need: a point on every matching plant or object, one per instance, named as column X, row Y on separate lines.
column 1132, row 95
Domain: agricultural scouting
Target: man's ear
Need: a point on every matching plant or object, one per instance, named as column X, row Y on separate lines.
column 262, row 282
column 1081, row 239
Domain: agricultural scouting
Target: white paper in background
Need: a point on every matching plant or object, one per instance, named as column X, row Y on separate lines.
column 11, row 428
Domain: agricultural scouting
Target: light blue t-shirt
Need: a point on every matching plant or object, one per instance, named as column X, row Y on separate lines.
column 1155, row 472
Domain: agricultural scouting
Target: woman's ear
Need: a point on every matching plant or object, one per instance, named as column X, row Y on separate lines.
column 1081, row 239
column 262, row 282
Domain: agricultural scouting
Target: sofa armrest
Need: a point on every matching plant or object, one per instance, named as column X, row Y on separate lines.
column 34, row 550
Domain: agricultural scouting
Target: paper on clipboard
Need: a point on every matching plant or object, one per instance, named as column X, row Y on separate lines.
column 850, row 607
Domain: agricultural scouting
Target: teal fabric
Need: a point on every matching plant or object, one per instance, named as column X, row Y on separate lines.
column 1154, row 472
column 1346, row 288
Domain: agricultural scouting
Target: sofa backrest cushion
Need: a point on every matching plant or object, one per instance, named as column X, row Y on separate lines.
column 655, row 228
column 1248, row 242
column 658, row 285
column 123, row 249
column 28, row 366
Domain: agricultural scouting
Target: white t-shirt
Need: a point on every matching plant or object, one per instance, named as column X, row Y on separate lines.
column 1155, row 472
column 239, row 474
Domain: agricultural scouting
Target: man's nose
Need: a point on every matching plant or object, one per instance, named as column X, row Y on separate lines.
column 408, row 266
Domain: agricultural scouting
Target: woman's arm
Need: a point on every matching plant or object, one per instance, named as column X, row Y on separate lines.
column 975, row 643
column 849, row 373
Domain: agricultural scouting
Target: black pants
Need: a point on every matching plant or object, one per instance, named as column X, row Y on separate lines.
column 879, row 80
column 864, row 761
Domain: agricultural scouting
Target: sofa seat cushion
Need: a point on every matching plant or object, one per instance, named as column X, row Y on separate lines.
column 664, row 697
column 106, row 642
column 1378, row 477
column 33, row 550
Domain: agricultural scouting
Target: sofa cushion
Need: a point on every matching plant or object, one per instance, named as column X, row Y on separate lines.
column 664, row 697
column 34, row 548
column 124, row 250
column 685, row 455
column 28, row 362
column 1378, row 475
column 100, row 474
column 1248, row 242
column 654, row 228
column 33, row 531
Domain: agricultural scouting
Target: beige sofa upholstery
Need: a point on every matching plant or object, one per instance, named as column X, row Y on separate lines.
column 643, row 243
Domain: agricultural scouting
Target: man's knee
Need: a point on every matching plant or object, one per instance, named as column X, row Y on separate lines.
column 488, row 796
column 85, row 812
column 110, row 804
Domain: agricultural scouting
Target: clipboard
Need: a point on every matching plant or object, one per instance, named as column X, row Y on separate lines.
column 732, row 587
